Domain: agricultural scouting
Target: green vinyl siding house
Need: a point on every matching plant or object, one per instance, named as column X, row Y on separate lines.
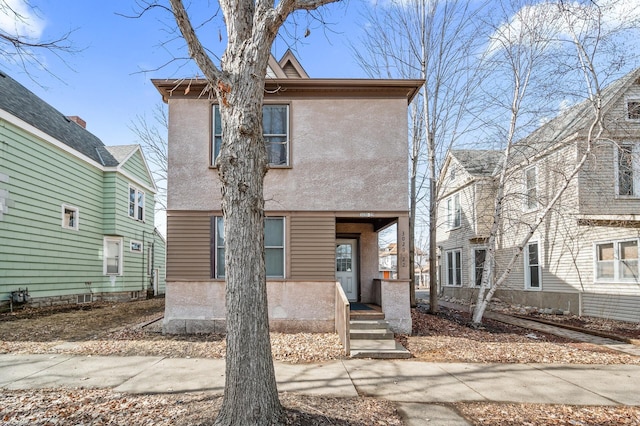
column 76, row 217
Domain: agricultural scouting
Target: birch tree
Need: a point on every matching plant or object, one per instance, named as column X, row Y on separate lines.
column 250, row 395
column 568, row 35
column 431, row 40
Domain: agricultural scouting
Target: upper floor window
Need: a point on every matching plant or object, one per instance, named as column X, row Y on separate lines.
column 273, row 247
column 633, row 109
column 628, row 166
column 275, row 128
column 531, row 188
column 136, row 203
column 70, row 217
column 532, row 267
column 617, row 261
column 454, row 211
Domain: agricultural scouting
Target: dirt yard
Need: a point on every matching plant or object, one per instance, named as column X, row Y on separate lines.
column 131, row 329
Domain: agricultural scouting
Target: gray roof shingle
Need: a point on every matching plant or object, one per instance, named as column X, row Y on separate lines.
column 24, row 104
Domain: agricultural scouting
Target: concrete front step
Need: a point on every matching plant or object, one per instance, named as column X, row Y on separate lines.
column 359, row 344
column 368, row 324
column 366, row 315
column 399, row 352
column 371, row 334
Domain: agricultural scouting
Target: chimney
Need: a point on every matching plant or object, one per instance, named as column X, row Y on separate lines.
column 79, row 121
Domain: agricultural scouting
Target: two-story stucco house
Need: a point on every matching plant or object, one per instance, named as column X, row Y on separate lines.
column 337, row 177
column 583, row 257
column 76, row 217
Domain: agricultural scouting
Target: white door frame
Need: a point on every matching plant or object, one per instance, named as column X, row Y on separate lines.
column 348, row 275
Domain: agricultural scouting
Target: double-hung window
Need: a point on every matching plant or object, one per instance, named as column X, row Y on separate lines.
column 628, row 166
column 454, row 211
column 617, row 261
column 454, row 267
column 480, row 255
column 530, row 188
column 112, row 256
column 275, row 130
column 136, row 203
column 274, row 238
column 532, row 267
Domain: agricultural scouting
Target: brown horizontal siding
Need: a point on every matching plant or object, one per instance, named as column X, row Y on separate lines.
column 188, row 247
column 312, row 247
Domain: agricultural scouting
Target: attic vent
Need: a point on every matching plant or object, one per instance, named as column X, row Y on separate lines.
column 291, row 71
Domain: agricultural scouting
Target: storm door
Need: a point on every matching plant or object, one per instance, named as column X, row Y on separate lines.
column 347, row 267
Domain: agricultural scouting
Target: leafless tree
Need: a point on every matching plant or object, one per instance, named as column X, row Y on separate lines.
column 250, row 396
column 432, row 40
column 20, row 41
column 153, row 140
column 530, row 46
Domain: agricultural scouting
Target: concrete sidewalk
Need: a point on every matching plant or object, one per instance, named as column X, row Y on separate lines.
column 416, row 386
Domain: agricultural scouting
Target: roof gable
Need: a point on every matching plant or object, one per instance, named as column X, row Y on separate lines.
column 20, row 102
column 579, row 117
column 132, row 162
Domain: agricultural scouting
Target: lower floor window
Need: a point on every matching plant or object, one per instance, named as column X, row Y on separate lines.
column 617, row 261
column 454, row 267
column 480, row 255
column 273, row 247
column 112, row 256
column 532, row 270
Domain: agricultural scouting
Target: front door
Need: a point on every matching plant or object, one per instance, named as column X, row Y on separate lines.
column 347, row 267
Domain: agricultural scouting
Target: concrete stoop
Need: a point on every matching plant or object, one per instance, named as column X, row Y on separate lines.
column 371, row 338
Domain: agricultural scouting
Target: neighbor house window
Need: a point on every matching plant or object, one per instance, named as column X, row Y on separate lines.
column 532, row 269
column 531, row 188
column 454, row 267
column 275, row 130
column 480, row 255
column 617, row 261
column 135, row 246
column 112, row 256
column 273, row 247
column 70, row 217
column 454, row 212
column 633, row 109
column 136, row 203
column 628, row 166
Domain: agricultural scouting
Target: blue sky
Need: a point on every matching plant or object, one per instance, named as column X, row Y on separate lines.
column 107, row 83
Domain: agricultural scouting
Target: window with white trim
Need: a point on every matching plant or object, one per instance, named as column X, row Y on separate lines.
column 136, row 203
column 70, row 217
column 633, row 109
column 479, row 257
column 617, row 261
column 532, row 267
column 275, row 130
column 530, row 188
column 112, row 256
column 135, row 246
column 454, row 212
column 274, row 238
column 628, row 170
column 453, row 266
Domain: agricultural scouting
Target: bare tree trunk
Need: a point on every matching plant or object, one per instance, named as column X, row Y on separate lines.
column 251, row 394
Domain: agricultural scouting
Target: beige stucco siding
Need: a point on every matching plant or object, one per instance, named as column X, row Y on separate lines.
column 351, row 154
